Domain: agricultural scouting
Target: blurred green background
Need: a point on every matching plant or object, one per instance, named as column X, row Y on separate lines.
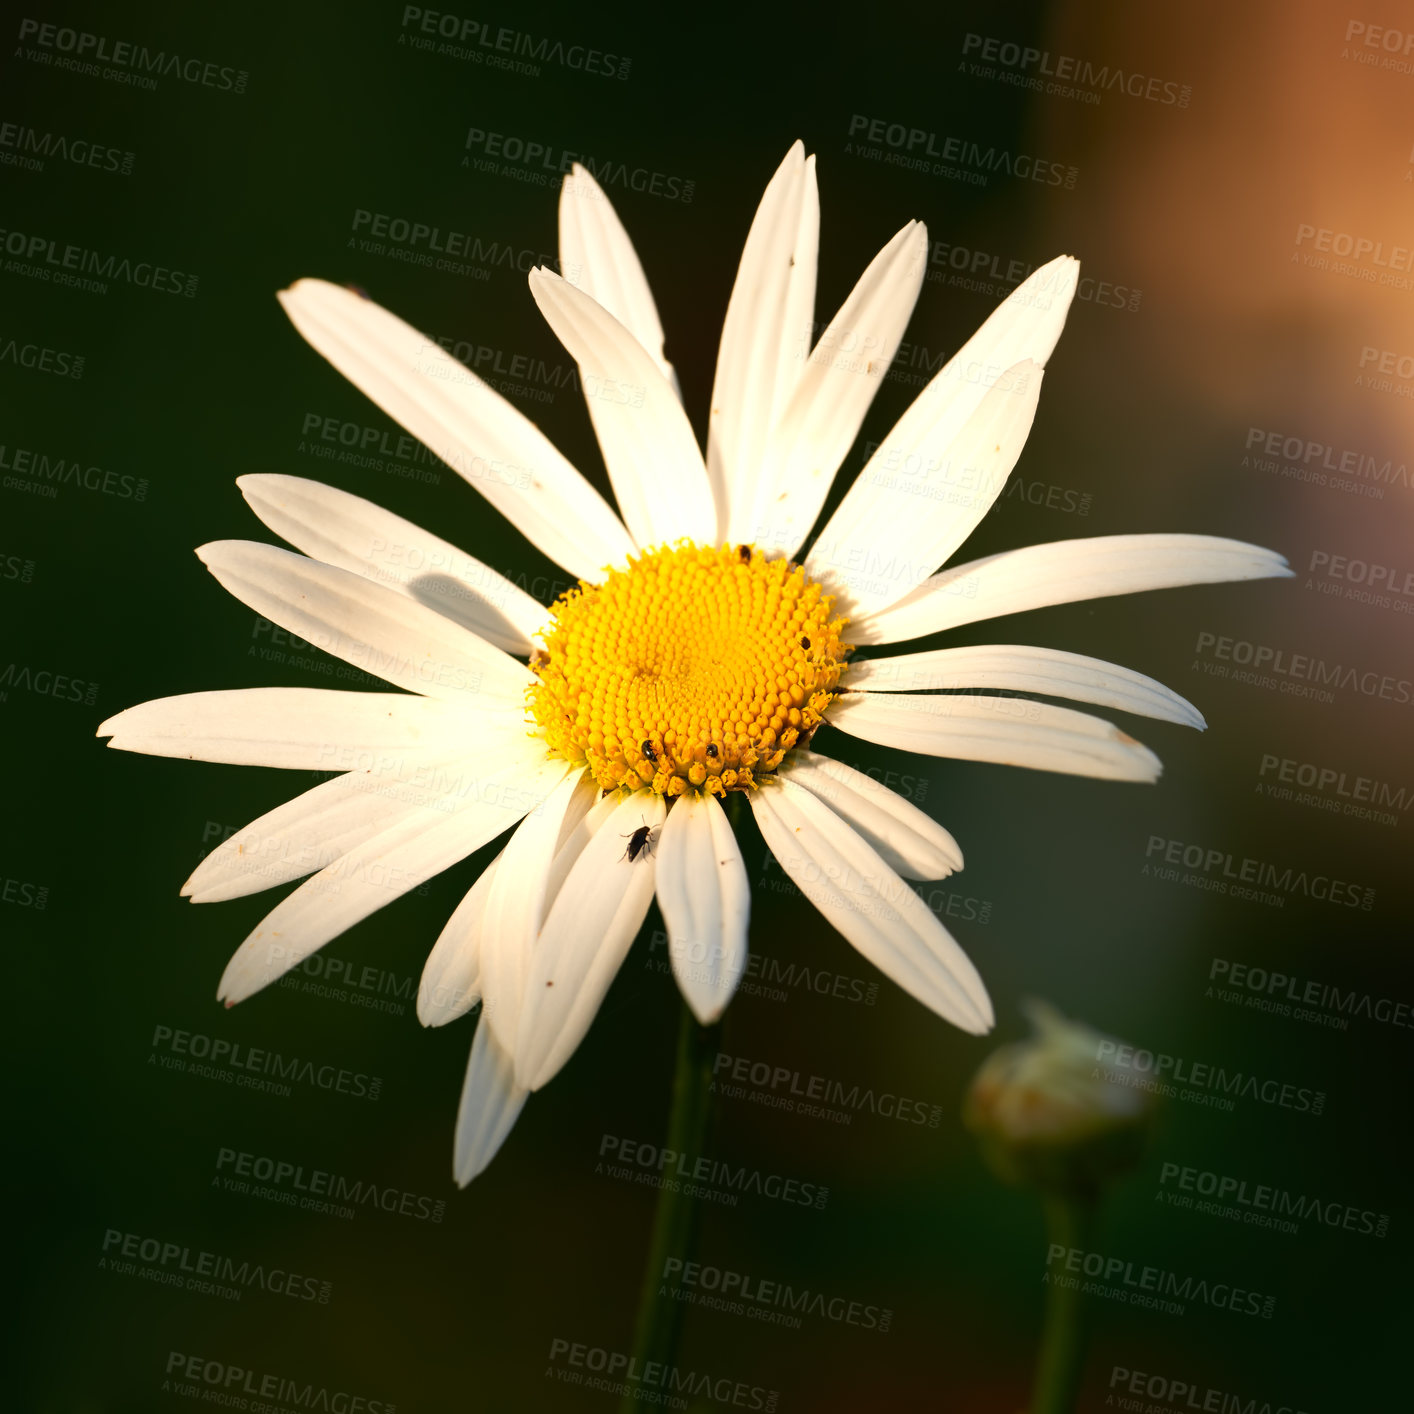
column 1145, row 423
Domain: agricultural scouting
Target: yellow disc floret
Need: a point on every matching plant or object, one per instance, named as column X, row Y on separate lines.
column 695, row 669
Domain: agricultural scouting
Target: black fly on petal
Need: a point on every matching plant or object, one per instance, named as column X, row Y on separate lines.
column 639, row 842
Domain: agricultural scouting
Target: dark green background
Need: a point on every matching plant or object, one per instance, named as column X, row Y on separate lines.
column 251, row 191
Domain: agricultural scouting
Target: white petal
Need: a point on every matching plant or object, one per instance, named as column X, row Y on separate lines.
column 1013, row 731
column 649, row 450
column 904, row 536
column 451, row 976
column 434, row 837
column 585, row 797
column 354, row 534
column 515, row 908
column 491, row 1103
column 587, row 935
column 597, row 255
column 1064, row 572
column 916, row 466
column 574, row 840
column 867, row 902
column 1020, row 668
column 842, row 374
column 374, row 628
column 314, row 829
column 766, row 336
column 495, row 448
column 302, row 728
column 907, row 840
column 706, row 902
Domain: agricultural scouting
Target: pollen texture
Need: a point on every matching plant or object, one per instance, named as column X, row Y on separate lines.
column 695, row 669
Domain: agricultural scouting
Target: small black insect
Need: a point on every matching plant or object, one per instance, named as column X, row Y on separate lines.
column 805, row 643
column 648, row 752
column 744, row 551
column 712, row 750
column 639, row 842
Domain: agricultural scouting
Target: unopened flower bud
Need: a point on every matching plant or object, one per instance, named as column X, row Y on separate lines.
column 1050, row 1114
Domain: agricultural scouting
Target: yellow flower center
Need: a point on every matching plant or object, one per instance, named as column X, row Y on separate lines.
column 693, row 669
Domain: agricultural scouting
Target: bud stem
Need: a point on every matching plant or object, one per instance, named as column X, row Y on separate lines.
column 675, row 1219
column 1061, row 1359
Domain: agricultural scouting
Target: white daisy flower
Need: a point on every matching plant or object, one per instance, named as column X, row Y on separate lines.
column 696, row 658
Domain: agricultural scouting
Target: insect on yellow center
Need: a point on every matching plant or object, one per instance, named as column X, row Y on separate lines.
column 694, row 669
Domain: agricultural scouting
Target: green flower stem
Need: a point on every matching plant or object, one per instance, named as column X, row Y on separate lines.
column 1061, row 1360
column 675, row 1220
